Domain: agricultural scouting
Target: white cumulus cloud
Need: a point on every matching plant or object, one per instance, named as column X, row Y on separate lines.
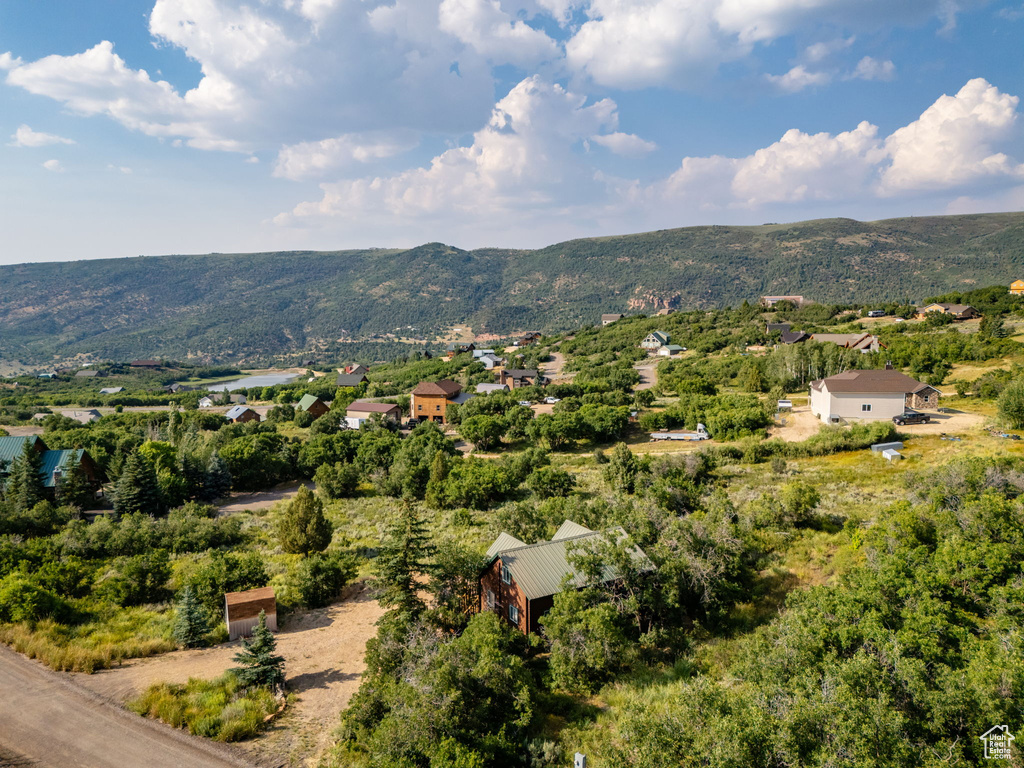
column 869, row 68
column 26, row 137
column 54, row 166
column 492, row 32
column 625, row 144
column 954, row 142
column 316, row 158
column 521, row 160
column 798, row 78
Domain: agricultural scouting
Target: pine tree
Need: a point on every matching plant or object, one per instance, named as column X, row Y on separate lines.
column 191, row 624
column 25, row 482
column 623, row 469
column 302, row 528
column 75, row 488
column 403, row 555
column 259, row 664
column 218, row 478
column 137, row 488
column 439, row 469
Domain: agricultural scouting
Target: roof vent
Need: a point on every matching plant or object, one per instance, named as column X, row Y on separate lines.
column 888, row 365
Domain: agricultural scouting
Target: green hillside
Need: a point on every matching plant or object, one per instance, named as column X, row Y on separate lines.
column 245, row 307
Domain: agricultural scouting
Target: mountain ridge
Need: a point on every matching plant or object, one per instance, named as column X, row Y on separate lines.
column 247, row 307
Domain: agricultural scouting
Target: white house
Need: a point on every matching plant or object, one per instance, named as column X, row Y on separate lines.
column 869, row 396
column 655, row 340
column 670, row 350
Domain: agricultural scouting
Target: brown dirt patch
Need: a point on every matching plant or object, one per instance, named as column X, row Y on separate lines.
column 323, row 651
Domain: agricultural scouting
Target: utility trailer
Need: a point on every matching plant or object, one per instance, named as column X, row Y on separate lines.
column 700, row 434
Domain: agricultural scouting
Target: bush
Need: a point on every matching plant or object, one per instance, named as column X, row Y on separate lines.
column 319, row 578
column 217, row 709
column 337, row 481
column 546, row 482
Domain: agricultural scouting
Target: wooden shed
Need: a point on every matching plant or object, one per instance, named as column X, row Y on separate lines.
column 242, row 611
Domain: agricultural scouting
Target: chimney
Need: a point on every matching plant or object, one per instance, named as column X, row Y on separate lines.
column 888, row 365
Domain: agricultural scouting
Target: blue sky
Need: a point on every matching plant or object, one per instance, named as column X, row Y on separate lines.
column 133, row 127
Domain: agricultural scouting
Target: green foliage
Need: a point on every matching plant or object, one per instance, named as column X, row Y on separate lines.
column 138, row 579
column 191, row 624
column 1011, row 404
column 302, row 528
column 256, row 461
column 623, row 469
column 258, row 665
column 24, row 488
column 221, row 709
column 138, row 490
column 588, row 643
column 218, row 572
column 23, row 599
column 402, row 557
column 337, row 481
column 320, row 577
column 432, row 698
column 546, row 482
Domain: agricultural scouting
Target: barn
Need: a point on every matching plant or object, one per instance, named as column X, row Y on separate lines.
column 242, row 611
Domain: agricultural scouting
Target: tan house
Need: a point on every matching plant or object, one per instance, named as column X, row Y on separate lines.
column 869, row 396
column 358, row 413
column 1017, row 287
column 514, row 378
column 242, row 611
column 958, row 311
column 430, row 399
column 865, row 342
column 770, row 301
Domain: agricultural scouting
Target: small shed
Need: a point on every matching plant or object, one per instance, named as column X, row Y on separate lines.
column 880, row 447
column 313, row 405
column 242, row 611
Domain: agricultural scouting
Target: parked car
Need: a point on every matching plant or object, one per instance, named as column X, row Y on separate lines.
column 552, row 400
column 911, row 417
column 527, row 403
column 876, row 313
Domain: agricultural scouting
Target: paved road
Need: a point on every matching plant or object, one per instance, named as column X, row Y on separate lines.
column 47, row 720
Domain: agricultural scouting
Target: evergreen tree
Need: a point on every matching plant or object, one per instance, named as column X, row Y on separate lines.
column 218, row 478
column 25, row 482
column 302, row 528
column 259, row 664
column 623, row 469
column 191, row 624
column 439, row 469
column 403, row 553
column 74, row 487
column 137, row 489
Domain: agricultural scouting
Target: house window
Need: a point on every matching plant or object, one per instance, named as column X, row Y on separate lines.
column 437, row 407
column 490, row 599
column 506, row 577
column 419, row 407
column 865, row 407
column 513, row 614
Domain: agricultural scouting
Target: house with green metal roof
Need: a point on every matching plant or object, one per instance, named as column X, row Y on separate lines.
column 54, row 463
column 521, row 580
column 312, row 404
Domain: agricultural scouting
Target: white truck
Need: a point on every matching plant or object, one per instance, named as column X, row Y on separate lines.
column 700, row 434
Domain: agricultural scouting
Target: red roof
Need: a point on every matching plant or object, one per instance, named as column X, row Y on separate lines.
column 444, row 388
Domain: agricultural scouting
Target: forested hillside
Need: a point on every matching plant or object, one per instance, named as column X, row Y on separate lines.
column 247, row 307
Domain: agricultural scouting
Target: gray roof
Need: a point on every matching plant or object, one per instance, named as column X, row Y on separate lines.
column 568, row 529
column 886, row 381
column 540, row 569
column 462, row 398
column 86, row 373
column 85, row 416
column 486, row 389
column 236, row 411
column 504, row 541
column 350, row 379
column 111, row 390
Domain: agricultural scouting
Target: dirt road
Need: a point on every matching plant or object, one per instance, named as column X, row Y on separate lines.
column 46, row 719
column 323, row 651
column 648, row 371
column 239, row 501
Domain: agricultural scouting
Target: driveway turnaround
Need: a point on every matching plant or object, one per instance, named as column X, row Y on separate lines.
column 48, row 720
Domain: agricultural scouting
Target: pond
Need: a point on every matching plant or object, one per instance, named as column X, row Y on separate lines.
column 261, row 380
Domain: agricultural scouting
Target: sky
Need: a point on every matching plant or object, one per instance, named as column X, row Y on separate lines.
column 145, row 127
